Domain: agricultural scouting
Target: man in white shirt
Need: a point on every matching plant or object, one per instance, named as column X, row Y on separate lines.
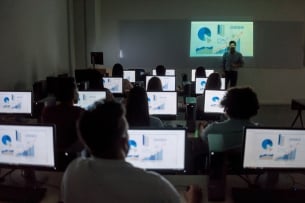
column 106, row 176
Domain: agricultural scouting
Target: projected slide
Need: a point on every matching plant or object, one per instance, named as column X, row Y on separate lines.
column 162, row 103
column 26, row 145
column 212, row 38
column 115, row 85
column 87, row 98
column 16, row 102
column 265, row 148
column 156, row 149
column 168, row 82
column 212, row 101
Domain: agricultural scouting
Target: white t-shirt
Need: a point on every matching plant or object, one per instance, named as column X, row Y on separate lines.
column 104, row 180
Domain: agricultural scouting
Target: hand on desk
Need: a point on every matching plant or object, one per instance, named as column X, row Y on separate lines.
column 193, row 194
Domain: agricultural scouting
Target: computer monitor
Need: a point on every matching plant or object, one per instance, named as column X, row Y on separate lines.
column 167, row 72
column 212, row 99
column 130, row 75
column 274, row 148
column 200, row 84
column 207, row 73
column 223, row 83
column 157, row 149
column 114, row 84
column 168, row 82
column 87, row 98
column 16, row 102
column 27, row 145
column 162, row 103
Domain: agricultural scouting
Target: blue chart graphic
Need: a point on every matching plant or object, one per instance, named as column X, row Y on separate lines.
column 203, row 83
column 160, row 107
column 165, row 86
column 290, row 156
column 6, row 139
column 155, row 157
column 203, row 32
column 145, row 140
column 215, row 99
column 132, row 144
column 17, row 106
column 6, row 100
column 267, row 144
column 28, row 152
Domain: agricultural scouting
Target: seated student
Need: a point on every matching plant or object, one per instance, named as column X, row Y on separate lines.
column 118, row 71
column 106, row 176
column 137, row 113
column 154, row 85
column 64, row 115
column 213, row 83
column 160, row 70
column 200, row 72
column 240, row 105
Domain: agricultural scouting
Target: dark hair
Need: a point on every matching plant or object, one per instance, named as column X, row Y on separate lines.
column 117, row 70
column 160, row 70
column 154, row 84
column 66, row 89
column 240, row 103
column 102, row 126
column 213, row 82
column 137, row 107
column 200, row 72
column 232, row 42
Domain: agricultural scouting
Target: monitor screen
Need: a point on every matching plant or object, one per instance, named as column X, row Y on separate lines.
column 278, row 148
column 114, row 84
column 162, row 103
column 157, row 149
column 207, row 73
column 168, row 82
column 88, row 98
column 200, row 85
column 212, row 99
column 27, row 145
column 167, row 72
column 15, row 102
column 130, row 75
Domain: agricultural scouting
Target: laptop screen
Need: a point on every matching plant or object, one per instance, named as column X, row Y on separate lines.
column 157, row 149
column 15, row 102
column 278, row 148
column 27, row 145
column 114, row 84
column 212, row 99
column 168, row 82
column 130, row 75
column 88, row 98
column 167, row 72
column 162, row 103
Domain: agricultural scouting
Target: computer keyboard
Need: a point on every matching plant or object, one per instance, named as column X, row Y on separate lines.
column 18, row 194
column 254, row 195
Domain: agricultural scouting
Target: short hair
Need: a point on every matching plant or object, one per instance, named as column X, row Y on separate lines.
column 102, row 126
column 66, row 89
column 200, row 72
column 117, row 70
column 232, row 42
column 240, row 103
column 213, row 82
column 137, row 113
column 154, row 84
column 160, row 70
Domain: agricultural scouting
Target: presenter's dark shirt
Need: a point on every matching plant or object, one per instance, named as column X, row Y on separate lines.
column 232, row 58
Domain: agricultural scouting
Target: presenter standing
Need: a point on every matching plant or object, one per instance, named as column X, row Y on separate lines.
column 232, row 61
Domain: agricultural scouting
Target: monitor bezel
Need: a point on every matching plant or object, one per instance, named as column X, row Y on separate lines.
column 16, row 113
column 168, row 171
column 28, row 166
column 261, row 169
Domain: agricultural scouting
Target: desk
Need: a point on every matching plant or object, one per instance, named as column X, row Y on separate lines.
column 299, row 105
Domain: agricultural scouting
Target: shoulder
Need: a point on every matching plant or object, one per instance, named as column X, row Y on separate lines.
column 155, row 122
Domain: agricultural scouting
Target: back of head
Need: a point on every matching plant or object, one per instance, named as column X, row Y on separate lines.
column 154, row 85
column 213, row 82
column 101, row 127
column 137, row 107
column 240, row 103
column 200, row 72
column 67, row 89
column 117, row 70
column 160, row 70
